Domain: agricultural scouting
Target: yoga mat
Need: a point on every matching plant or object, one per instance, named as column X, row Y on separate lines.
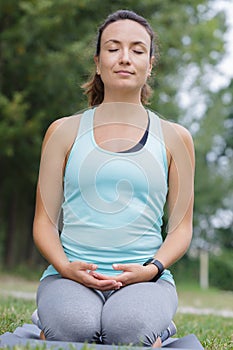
column 29, row 334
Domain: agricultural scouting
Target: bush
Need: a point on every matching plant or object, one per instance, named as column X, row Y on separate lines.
column 187, row 269
column 221, row 271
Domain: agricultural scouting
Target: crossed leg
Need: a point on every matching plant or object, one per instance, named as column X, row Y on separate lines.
column 135, row 314
column 138, row 313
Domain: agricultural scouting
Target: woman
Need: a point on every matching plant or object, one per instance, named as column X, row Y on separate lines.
column 112, row 169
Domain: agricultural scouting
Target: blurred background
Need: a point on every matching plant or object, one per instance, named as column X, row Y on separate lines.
column 46, row 54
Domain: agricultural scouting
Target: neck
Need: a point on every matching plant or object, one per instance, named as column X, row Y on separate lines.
column 122, row 112
column 122, row 97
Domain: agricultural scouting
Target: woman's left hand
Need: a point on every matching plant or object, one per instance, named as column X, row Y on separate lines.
column 131, row 273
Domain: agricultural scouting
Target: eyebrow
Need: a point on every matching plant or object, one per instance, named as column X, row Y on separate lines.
column 118, row 42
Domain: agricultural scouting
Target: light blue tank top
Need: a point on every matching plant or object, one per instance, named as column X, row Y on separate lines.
column 113, row 202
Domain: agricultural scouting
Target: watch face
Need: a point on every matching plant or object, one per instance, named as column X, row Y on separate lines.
column 159, row 265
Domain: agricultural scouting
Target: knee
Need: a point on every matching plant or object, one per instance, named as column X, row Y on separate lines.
column 72, row 330
column 125, row 331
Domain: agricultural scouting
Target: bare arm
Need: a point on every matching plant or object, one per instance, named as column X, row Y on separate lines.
column 180, row 196
column 49, row 197
column 57, row 143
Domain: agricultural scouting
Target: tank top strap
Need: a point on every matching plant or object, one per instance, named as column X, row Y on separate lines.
column 156, row 141
column 155, row 126
column 83, row 139
column 86, row 122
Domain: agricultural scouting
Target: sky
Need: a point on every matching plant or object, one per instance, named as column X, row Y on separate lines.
column 226, row 66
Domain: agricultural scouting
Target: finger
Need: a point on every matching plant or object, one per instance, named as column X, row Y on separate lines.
column 88, row 266
column 113, row 283
column 114, row 286
column 92, row 277
column 100, row 276
column 122, row 267
column 106, row 284
column 109, row 288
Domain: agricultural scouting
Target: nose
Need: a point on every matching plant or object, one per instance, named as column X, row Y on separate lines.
column 125, row 57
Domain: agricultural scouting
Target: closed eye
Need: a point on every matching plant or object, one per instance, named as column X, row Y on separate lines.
column 112, row 50
column 138, row 52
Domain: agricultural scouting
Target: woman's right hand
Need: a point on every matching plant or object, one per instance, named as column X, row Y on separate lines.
column 80, row 271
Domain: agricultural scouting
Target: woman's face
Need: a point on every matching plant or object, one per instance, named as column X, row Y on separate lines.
column 124, row 63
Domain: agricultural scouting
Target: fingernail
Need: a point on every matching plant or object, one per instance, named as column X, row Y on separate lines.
column 119, row 286
column 115, row 266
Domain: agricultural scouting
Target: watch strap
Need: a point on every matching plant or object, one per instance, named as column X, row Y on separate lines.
column 159, row 266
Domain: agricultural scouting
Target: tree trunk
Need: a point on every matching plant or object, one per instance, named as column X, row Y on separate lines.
column 204, row 269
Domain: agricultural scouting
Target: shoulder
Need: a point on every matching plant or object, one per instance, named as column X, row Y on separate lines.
column 176, row 134
column 179, row 143
column 64, row 124
column 175, row 129
column 62, row 131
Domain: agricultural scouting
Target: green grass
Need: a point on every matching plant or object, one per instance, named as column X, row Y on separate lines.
column 214, row 332
column 14, row 312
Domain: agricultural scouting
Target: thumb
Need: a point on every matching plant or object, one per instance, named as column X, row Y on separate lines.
column 121, row 267
column 88, row 266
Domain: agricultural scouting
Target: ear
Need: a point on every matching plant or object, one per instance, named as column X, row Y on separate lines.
column 152, row 59
column 96, row 59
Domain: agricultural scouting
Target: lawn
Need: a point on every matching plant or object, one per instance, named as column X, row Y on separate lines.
column 214, row 332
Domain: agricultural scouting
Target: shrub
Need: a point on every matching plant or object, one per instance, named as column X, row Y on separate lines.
column 221, row 271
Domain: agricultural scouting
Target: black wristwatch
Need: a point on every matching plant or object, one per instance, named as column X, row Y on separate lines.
column 159, row 266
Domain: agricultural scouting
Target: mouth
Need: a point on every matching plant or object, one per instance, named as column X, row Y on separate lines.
column 124, row 72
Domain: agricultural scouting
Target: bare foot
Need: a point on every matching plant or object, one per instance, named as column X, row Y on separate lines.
column 157, row 343
column 42, row 336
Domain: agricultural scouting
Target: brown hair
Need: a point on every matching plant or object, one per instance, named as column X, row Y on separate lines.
column 94, row 88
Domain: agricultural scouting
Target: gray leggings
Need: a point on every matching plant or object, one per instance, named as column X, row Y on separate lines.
column 135, row 314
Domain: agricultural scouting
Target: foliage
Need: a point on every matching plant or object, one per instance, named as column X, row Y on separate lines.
column 221, row 271
column 186, row 269
column 214, row 176
column 27, row 273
